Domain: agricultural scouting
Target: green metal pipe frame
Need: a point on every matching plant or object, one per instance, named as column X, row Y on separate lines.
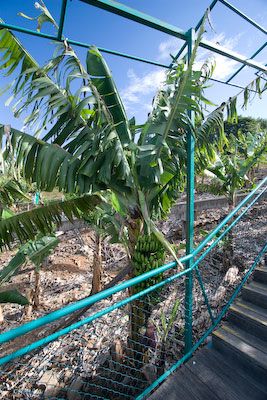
column 191, row 265
column 103, row 50
column 59, row 38
column 56, row 315
column 80, row 44
column 242, row 15
column 190, row 187
column 147, row 20
column 155, row 23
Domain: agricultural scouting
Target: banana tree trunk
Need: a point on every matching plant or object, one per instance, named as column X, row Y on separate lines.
column 97, row 266
column 137, row 316
column 29, row 307
column 1, row 315
column 37, row 289
column 162, row 359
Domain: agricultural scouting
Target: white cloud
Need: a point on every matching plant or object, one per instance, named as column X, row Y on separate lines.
column 224, row 66
column 138, row 94
column 170, row 46
column 141, row 87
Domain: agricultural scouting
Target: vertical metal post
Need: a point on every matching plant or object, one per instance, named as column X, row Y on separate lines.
column 189, row 213
column 62, row 19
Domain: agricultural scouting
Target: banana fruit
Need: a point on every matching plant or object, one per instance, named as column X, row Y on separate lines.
column 149, row 254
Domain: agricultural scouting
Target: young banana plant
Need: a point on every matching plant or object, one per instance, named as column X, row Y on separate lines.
column 232, row 167
column 232, row 171
column 35, row 252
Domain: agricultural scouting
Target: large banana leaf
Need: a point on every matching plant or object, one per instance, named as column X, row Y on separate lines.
column 102, row 79
column 46, row 164
column 98, row 162
column 34, row 89
column 163, row 139
column 26, row 225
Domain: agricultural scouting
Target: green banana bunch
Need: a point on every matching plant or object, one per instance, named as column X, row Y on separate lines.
column 149, row 254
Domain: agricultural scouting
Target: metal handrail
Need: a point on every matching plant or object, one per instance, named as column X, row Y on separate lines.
column 208, row 332
column 56, row 315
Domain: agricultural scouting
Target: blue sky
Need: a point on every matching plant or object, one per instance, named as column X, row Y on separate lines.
column 138, row 82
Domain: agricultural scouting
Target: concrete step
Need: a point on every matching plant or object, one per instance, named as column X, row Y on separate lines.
column 238, row 346
column 256, row 293
column 260, row 274
column 249, row 317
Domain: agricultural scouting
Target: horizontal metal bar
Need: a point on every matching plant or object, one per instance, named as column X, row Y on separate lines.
column 206, row 44
column 28, row 31
column 55, row 315
column 24, row 350
column 134, row 15
column 80, row 44
column 232, row 84
column 102, row 49
column 120, row 54
column 227, row 218
column 155, row 23
column 244, row 16
column 243, row 66
column 182, row 360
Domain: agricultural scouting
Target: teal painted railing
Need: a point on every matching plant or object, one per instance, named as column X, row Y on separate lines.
column 150, row 295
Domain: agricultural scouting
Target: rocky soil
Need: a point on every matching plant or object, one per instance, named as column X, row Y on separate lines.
column 96, row 360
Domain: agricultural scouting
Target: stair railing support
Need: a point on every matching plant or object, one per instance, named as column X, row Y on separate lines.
column 189, row 213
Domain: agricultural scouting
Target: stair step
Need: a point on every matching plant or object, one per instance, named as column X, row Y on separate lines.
column 238, row 346
column 250, row 318
column 226, row 382
column 193, row 388
column 183, row 384
column 256, row 293
column 260, row 274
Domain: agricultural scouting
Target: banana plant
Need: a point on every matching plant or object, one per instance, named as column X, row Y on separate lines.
column 35, row 252
column 92, row 148
column 232, row 167
column 232, row 171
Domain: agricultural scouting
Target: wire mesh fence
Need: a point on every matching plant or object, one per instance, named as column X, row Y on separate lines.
column 116, row 356
column 124, row 350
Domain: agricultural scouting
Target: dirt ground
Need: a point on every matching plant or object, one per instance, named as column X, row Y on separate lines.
column 67, row 278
